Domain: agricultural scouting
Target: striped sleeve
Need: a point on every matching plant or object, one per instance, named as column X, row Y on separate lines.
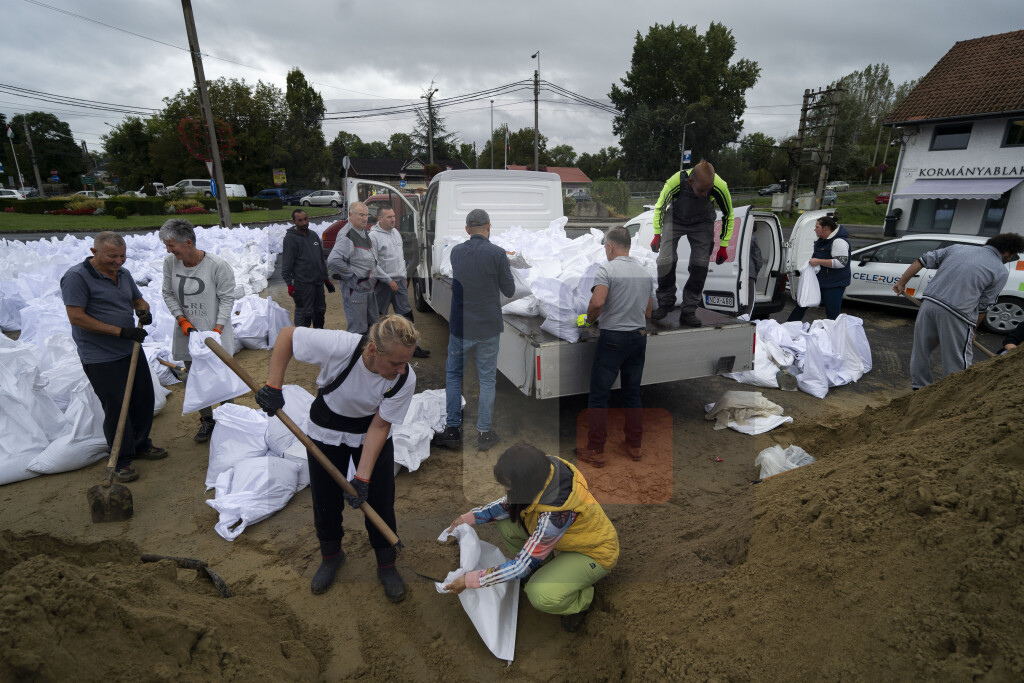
column 668, row 193
column 551, row 526
column 492, row 512
column 720, row 193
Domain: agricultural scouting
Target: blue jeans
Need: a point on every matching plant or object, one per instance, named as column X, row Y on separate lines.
column 617, row 352
column 831, row 299
column 486, row 353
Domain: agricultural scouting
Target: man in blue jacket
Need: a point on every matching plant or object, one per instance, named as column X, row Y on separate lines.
column 480, row 274
column 832, row 256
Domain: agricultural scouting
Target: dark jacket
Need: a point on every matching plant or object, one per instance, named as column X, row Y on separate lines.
column 303, row 258
column 829, row 278
column 480, row 274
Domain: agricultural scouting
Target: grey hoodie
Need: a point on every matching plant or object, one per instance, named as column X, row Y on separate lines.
column 353, row 259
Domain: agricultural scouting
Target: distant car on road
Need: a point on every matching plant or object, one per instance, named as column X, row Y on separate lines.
column 192, row 186
column 875, row 269
column 771, row 189
column 323, row 198
column 11, row 194
column 828, row 197
column 838, row 186
column 92, row 194
column 882, row 198
column 294, row 197
column 29, row 192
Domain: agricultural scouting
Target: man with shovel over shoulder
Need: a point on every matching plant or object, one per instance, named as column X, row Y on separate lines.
column 102, row 300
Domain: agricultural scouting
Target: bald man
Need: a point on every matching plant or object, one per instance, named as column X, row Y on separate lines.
column 352, row 258
column 689, row 195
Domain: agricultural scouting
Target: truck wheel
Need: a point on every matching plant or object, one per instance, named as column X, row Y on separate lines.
column 1005, row 316
column 417, row 294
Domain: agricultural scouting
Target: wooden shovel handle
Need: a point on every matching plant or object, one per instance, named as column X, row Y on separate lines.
column 973, row 341
column 336, row 474
column 108, row 475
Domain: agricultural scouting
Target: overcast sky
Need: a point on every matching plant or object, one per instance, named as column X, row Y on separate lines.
column 362, row 54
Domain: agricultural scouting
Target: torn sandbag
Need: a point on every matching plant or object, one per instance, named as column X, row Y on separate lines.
column 748, row 412
column 774, row 460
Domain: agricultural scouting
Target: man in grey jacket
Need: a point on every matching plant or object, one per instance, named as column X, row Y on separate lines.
column 968, row 279
column 353, row 259
column 304, row 271
column 392, row 284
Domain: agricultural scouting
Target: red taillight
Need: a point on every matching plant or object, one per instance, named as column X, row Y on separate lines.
column 538, row 368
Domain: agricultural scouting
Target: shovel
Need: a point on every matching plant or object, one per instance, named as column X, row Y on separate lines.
column 786, row 381
column 371, row 515
column 111, row 502
column 198, row 565
column 978, row 346
column 179, row 372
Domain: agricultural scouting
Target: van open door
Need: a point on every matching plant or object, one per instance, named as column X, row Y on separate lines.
column 727, row 288
column 800, row 246
column 377, row 195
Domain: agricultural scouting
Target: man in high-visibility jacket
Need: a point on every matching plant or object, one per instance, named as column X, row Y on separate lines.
column 689, row 194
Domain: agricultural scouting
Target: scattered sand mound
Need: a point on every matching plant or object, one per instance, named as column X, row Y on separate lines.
column 897, row 556
column 94, row 612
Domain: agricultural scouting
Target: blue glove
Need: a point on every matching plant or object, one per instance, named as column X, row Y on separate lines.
column 362, row 488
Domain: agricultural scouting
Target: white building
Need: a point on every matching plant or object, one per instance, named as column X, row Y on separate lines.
column 961, row 163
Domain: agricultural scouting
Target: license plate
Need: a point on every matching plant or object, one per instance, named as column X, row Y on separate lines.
column 712, row 300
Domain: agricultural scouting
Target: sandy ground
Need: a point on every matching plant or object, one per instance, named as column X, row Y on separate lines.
column 895, row 557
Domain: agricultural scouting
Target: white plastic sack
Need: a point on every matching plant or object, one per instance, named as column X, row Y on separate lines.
column 527, row 307
column 494, row 609
column 23, row 441
column 297, row 402
column 812, row 377
column 252, row 490
column 808, row 293
column 250, row 322
column 83, row 443
column 426, row 416
column 747, row 412
column 521, row 277
column 774, row 460
column 209, row 380
column 160, row 393
column 277, row 318
column 764, row 371
column 298, row 455
column 240, row 434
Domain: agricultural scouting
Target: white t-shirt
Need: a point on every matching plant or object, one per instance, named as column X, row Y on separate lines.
column 361, row 394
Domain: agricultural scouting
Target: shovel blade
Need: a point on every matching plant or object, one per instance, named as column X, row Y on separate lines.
column 786, row 381
column 110, row 504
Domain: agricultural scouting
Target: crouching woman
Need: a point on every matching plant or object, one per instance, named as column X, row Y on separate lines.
column 547, row 510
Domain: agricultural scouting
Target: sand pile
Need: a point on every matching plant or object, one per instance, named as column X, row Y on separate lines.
column 897, row 556
column 94, row 612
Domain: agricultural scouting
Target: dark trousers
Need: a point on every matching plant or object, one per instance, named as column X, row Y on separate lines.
column 310, row 304
column 701, row 237
column 831, row 299
column 617, row 352
column 329, row 506
column 108, row 381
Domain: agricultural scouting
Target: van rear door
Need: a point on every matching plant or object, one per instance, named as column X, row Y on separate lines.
column 800, row 246
column 728, row 285
column 377, row 194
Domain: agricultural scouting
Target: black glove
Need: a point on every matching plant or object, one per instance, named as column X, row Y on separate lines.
column 145, row 317
column 362, row 490
column 330, row 286
column 136, row 334
column 271, row 399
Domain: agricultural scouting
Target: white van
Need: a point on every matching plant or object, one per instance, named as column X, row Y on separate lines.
column 538, row 363
column 192, row 186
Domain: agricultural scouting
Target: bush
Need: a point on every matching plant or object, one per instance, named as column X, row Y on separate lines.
column 148, row 206
column 120, row 213
column 568, row 206
column 81, row 203
column 39, row 206
column 612, row 192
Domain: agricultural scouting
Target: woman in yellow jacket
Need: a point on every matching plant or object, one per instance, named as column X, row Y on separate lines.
column 547, row 508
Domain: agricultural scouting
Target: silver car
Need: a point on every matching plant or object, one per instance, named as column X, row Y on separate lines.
column 323, row 198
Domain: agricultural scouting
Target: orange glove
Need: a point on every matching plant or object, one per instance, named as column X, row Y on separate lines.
column 187, row 328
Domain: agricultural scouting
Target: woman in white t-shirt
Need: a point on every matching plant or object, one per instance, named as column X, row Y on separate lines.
column 365, row 385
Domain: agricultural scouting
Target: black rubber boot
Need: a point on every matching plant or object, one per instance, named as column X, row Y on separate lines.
column 574, row 622
column 394, row 585
column 333, row 557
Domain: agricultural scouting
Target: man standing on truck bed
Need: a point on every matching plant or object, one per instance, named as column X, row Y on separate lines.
column 353, row 259
column 304, row 271
column 480, row 273
column 621, row 302
column 687, row 194
column 392, row 281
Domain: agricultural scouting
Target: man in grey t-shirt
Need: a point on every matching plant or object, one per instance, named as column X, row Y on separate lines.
column 621, row 302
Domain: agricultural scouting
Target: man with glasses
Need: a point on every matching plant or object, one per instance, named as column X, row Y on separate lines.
column 687, row 195
column 354, row 260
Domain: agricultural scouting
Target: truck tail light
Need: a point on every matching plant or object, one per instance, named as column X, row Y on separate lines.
column 538, row 368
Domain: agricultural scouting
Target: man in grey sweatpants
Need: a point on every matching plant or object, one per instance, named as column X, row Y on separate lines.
column 968, row 279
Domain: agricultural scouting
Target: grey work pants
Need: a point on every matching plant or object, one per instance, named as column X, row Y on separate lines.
column 360, row 309
column 935, row 326
column 400, row 299
column 701, row 237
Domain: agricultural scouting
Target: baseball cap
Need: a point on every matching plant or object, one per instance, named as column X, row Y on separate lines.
column 477, row 218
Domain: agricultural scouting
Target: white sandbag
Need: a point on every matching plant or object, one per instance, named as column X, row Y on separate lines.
column 83, row 443
column 808, row 294
column 812, row 377
column 747, row 412
column 277, row 319
column 11, row 303
column 764, row 371
column 297, row 454
column 209, row 380
column 22, row 384
column 858, row 338
column 849, row 367
column 240, row 434
column 62, row 378
column 252, row 490
column 154, row 354
column 426, row 415
column 557, row 304
column 494, row 609
column 527, row 307
column 250, row 322
column 774, row 460
column 23, row 441
column 521, row 277
column 160, row 392
column 296, row 405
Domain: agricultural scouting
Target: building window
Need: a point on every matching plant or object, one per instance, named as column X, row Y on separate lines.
column 1014, row 136
column 951, row 136
column 932, row 215
column 995, row 209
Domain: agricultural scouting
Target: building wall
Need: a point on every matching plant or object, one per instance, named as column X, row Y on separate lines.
column 984, row 150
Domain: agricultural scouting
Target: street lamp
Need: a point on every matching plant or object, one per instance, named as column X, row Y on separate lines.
column 682, row 146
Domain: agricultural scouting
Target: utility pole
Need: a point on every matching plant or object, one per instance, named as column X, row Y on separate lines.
column 874, row 157
column 492, row 134
column 21, row 178
column 682, row 145
column 204, row 102
column 429, row 97
column 826, row 156
column 795, row 156
column 536, row 118
column 32, row 157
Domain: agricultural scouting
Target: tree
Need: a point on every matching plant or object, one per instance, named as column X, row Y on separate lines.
column 445, row 142
column 563, row 155
column 127, row 148
column 343, row 145
column 54, row 145
column 606, row 163
column 467, row 154
column 676, row 76
column 400, row 146
column 304, row 136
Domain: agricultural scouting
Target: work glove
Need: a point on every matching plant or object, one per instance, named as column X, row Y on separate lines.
column 187, row 327
column 271, row 399
column 136, row 334
column 329, row 286
column 722, row 255
column 656, row 242
column 362, row 488
column 291, row 291
column 145, row 317
column 581, row 321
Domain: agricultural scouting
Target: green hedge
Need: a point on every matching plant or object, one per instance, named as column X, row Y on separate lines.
column 39, row 205
column 148, row 206
column 235, row 203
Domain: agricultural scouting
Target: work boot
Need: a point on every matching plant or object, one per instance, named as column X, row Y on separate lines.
column 661, row 312
column 573, row 622
column 451, row 437
column 152, row 453
column 206, row 425
column 690, row 318
column 126, row 474
column 332, row 559
column 634, row 453
column 589, row 456
column 420, row 353
column 394, row 585
column 486, row 440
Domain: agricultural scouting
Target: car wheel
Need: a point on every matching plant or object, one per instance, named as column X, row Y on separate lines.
column 1005, row 316
column 305, row 203
column 417, row 294
column 207, row 194
column 334, row 203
